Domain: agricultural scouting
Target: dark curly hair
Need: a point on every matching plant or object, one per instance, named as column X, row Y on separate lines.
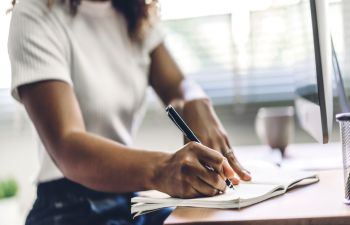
column 137, row 13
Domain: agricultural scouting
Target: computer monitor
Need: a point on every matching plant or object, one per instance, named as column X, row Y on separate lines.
column 314, row 99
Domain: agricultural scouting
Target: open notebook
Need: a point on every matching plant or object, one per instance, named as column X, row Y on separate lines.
column 266, row 183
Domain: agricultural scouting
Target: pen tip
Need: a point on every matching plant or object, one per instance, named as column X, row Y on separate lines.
column 229, row 184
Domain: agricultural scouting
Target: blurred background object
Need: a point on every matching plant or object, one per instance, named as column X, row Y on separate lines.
column 275, row 126
column 8, row 188
column 245, row 54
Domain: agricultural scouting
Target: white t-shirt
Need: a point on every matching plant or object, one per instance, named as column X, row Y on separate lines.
column 92, row 52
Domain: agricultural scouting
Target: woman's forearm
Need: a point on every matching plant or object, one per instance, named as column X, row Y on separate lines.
column 108, row 166
column 91, row 160
column 104, row 165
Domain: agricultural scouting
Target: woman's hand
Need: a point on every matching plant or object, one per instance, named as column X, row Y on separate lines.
column 184, row 173
column 201, row 118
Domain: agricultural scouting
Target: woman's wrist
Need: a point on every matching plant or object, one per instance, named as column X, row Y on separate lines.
column 203, row 101
column 181, row 104
column 157, row 163
column 197, row 106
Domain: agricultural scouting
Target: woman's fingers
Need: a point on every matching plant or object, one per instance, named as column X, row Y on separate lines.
column 190, row 193
column 201, row 177
column 228, row 170
column 204, row 188
column 210, row 158
column 227, row 142
column 211, row 178
column 232, row 160
column 236, row 166
column 205, row 170
column 221, row 144
column 217, row 162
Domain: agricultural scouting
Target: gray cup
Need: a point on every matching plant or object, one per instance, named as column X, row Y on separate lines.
column 344, row 124
column 275, row 126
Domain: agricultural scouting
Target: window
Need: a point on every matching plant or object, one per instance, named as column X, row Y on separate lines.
column 246, row 51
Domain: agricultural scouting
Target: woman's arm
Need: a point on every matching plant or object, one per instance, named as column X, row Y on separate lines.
column 105, row 165
column 173, row 88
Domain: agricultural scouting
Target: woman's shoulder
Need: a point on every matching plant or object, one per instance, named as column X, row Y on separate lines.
column 37, row 18
column 39, row 10
column 38, row 46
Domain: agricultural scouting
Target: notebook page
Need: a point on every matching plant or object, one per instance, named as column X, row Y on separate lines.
column 251, row 190
column 278, row 176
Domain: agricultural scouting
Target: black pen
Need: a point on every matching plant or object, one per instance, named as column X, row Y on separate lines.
column 181, row 124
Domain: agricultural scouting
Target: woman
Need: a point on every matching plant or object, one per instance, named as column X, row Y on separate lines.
column 81, row 69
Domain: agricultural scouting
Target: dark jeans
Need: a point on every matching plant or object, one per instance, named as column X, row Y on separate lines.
column 63, row 202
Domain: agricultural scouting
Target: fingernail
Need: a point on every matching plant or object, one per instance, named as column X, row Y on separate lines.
column 234, row 181
column 247, row 177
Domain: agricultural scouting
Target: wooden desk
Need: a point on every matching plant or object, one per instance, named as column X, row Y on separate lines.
column 320, row 203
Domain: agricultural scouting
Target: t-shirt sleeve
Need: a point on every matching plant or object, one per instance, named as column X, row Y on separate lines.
column 37, row 49
column 155, row 36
